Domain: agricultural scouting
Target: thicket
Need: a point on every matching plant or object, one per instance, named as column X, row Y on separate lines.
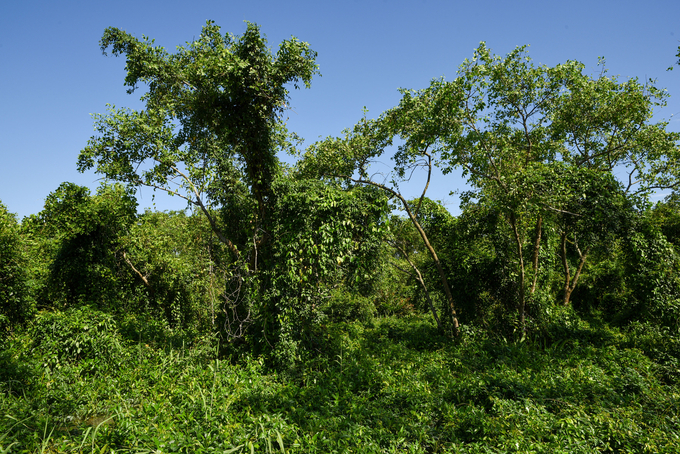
column 17, row 306
column 316, row 309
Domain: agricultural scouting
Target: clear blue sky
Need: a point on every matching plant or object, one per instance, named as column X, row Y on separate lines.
column 53, row 75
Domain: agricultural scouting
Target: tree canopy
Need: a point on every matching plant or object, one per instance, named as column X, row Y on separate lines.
column 211, row 125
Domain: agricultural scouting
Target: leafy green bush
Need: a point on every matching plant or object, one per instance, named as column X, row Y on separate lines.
column 81, row 336
column 15, row 304
column 76, row 247
column 344, row 306
column 175, row 261
column 322, row 237
column 653, row 275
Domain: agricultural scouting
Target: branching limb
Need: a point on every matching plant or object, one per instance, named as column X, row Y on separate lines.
column 419, row 277
column 423, row 236
column 212, row 222
column 146, row 282
column 427, row 183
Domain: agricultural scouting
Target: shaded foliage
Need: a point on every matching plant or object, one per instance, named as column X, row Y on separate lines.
column 77, row 247
column 177, row 261
column 16, row 304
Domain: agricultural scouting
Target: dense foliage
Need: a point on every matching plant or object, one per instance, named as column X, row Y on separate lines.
column 14, row 287
column 316, row 308
column 76, row 246
column 395, row 385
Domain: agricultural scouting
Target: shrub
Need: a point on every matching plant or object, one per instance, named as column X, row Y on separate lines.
column 344, row 306
column 15, row 305
column 82, row 337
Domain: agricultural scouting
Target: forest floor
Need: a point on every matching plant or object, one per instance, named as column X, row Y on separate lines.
column 390, row 385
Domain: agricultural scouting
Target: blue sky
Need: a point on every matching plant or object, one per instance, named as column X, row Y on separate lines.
column 53, row 75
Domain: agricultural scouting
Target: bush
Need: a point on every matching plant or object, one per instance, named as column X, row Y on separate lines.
column 177, row 256
column 344, row 306
column 15, row 305
column 652, row 273
column 76, row 241
column 82, row 337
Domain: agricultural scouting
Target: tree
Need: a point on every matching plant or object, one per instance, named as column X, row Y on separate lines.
column 587, row 208
column 517, row 118
column 211, row 126
column 666, row 215
column 325, row 239
column 420, row 124
column 436, row 222
column 479, row 258
column 652, row 276
column 509, row 126
column 209, row 132
column 78, row 246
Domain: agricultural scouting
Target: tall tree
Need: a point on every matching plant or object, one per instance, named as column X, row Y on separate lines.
column 517, row 119
column 419, row 124
column 211, row 125
column 507, row 124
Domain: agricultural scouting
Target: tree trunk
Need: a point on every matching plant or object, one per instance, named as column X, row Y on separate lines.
column 569, row 283
column 442, row 275
column 521, row 307
column 421, row 281
column 423, row 236
column 537, row 249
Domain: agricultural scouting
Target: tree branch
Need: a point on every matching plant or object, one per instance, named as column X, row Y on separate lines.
column 419, row 277
column 146, row 282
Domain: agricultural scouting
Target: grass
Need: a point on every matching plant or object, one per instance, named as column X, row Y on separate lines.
column 391, row 385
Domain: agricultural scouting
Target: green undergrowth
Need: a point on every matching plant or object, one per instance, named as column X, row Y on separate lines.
column 390, row 385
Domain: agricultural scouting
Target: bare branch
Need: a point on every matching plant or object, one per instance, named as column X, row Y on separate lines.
column 146, row 282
